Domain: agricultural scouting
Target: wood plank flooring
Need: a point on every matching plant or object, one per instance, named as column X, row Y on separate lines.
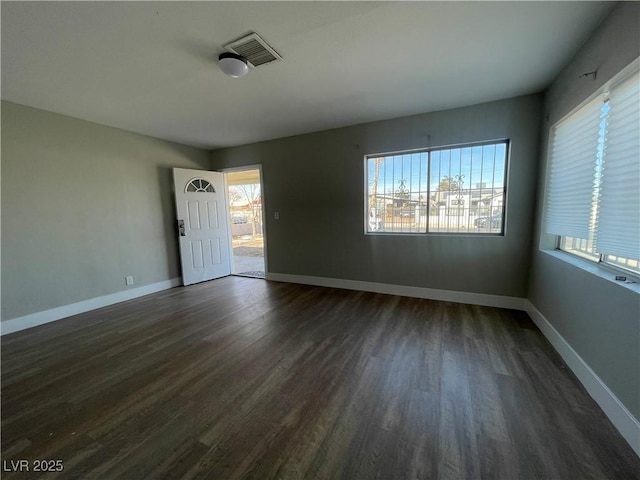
column 244, row 378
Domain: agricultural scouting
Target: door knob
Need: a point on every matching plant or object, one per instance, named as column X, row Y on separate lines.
column 181, row 228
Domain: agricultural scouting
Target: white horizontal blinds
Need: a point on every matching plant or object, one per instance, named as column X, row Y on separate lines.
column 618, row 224
column 574, row 150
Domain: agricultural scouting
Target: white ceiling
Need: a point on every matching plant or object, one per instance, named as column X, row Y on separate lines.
column 150, row 67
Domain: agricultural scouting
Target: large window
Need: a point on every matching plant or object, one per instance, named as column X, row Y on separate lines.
column 593, row 196
column 439, row 190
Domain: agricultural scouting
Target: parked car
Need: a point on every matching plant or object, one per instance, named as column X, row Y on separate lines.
column 238, row 220
column 494, row 221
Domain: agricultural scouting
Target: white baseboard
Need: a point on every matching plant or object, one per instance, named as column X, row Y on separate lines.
column 622, row 419
column 40, row 318
column 515, row 303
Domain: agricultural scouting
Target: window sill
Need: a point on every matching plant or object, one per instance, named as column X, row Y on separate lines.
column 602, row 271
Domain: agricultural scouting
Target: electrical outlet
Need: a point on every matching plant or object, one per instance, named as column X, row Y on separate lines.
column 276, row 215
column 128, row 280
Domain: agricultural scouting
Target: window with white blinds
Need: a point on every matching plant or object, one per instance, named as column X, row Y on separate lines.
column 574, row 155
column 593, row 195
column 617, row 229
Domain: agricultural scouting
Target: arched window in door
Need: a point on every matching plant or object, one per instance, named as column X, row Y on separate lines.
column 199, row 185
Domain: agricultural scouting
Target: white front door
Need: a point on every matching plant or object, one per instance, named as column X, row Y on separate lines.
column 203, row 227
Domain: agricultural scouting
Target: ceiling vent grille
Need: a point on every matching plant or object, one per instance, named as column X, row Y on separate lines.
column 254, row 49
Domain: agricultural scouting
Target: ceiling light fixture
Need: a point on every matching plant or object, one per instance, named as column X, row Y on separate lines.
column 233, row 65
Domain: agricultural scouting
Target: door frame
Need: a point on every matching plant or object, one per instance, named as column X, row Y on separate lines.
column 242, row 168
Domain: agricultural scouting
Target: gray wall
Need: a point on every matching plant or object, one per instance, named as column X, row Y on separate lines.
column 83, row 205
column 600, row 319
column 316, row 182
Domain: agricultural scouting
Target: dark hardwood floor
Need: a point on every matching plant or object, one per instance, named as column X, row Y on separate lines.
column 244, row 378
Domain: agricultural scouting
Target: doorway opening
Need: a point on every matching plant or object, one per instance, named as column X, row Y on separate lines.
column 244, row 194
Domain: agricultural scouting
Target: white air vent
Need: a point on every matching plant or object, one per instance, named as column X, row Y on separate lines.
column 254, row 49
